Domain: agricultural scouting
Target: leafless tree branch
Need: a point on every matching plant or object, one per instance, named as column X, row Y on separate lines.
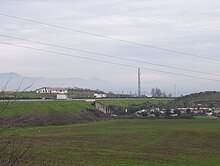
column 13, row 151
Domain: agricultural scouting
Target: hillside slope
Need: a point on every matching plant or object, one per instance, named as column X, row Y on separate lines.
column 48, row 113
column 209, row 98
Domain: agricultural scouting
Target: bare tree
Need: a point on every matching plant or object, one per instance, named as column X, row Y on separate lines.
column 164, row 94
column 153, row 92
column 14, row 149
column 156, row 92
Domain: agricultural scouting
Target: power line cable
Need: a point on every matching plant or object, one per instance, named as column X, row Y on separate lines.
column 108, row 62
column 108, row 37
column 106, row 55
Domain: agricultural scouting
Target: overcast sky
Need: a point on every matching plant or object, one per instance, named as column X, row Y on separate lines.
column 189, row 26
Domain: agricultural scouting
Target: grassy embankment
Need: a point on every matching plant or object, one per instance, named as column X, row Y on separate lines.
column 125, row 142
column 207, row 99
column 48, row 113
column 73, row 107
column 21, row 108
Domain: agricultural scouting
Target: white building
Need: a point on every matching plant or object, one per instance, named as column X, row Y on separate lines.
column 96, row 95
column 148, row 95
column 51, row 90
column 61, row 97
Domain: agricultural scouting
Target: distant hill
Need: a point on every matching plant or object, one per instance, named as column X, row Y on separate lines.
column 16, row 79
column 209, row 98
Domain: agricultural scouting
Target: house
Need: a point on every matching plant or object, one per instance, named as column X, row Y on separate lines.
column 51, row 90
column 96, row 95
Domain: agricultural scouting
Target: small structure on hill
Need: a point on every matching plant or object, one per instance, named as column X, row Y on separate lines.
column 61, row 97
column 100, row 95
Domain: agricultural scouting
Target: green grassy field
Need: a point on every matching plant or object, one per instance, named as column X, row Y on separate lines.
column 125, row 142
column 21, row 108
column 126, row 103
column 34, row 95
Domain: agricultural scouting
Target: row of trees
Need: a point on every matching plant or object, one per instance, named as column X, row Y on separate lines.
column 156, row 92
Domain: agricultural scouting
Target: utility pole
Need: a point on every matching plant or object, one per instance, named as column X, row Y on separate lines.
column 139, row 82
column 174, row 93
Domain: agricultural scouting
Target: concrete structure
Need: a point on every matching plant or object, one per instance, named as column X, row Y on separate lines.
column 51, row 90
column 102, row 107
column 61, row 97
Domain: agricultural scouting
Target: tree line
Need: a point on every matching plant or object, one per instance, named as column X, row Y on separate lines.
column 156, row 92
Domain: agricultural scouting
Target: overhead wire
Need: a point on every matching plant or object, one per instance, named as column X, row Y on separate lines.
column 108, row 62
column 110, row 38
column 107, row 55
